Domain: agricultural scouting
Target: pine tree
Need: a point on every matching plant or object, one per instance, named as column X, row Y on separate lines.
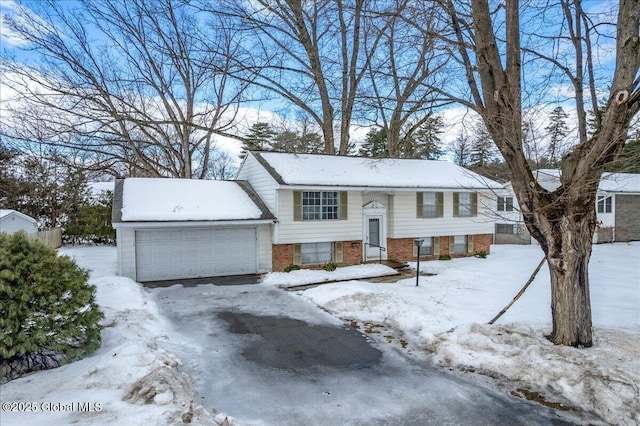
column 557, row 131
column 425, row 143
column 375, row 146
column 258, row 138
column 48, row 313
column 483, row 150
column 461, row 148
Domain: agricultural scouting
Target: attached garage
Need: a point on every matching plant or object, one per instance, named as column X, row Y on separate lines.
column 223, row 229
column 163, row 254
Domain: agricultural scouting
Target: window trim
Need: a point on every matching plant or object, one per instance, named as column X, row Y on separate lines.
column 505, row 204
column 341, row 208
column 421, row 205
column 604, row 204
column 473, row 207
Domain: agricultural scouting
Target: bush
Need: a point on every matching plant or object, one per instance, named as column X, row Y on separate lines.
column 329, row 266
column 444, row 257
column 481, row 254
column 48, row 314
column 292, row 267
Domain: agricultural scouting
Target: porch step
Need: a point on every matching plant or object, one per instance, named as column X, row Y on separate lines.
column 395, row 264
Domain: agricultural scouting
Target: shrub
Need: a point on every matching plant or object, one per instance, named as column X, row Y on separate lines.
column 329, row 266
column 292, row 267
column 481, row 254
column 48, row 314
column 444, row 257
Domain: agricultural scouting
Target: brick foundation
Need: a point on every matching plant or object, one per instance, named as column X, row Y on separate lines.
column 401, row 249
column 282, row 255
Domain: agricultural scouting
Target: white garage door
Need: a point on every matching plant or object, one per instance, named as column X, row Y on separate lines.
column 191, row 253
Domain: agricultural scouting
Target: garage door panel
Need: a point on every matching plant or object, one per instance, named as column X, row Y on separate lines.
column 193, row 253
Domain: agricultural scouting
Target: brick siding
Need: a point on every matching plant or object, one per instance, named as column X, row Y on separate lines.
column 401, row 249
column 282, row 255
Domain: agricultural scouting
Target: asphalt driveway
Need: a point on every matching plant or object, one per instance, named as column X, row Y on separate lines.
column 269, row 357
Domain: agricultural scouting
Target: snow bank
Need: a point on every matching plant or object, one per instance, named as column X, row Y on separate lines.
column 128, row 380
column 441, row 321
column 306, row 276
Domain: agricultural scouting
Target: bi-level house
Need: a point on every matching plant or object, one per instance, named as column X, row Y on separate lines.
column 352, row 209
column 301, row 209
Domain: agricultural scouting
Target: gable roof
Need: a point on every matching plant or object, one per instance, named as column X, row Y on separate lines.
column 549, row 179
column 6, row 212
column 334, row 170
column 174, row 200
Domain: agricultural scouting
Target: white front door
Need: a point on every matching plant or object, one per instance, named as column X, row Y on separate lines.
column 373, row 236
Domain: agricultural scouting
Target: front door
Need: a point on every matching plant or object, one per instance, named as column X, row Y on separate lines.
column 373, row 237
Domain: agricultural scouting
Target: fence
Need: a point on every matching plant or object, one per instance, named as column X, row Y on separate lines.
column 50, row 237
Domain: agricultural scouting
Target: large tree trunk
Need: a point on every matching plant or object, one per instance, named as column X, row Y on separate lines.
column 566, row 241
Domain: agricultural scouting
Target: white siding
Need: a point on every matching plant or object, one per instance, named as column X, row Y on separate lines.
column 264, row 248
column 405, row 224
column 13, row 223
column 126, row 252
column 321, row 230
column 261, row 181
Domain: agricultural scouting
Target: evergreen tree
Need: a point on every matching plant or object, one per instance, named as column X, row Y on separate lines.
column 258, row 138
column 483, row 150
column 461, row 149
column 557, row 131
column 48, row 313
column 375, row 146
column 425, row 141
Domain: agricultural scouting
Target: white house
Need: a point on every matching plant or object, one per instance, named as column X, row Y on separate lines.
column 352, row 209
column 12, row 221
column 182, row 228
column 509, row 224
column 617, row 206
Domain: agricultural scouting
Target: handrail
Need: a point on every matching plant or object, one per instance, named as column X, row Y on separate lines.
column 373, row 245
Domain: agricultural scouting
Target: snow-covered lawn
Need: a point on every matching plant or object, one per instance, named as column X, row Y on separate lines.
column 131, row 380
column 303, row 277
column 444, row 320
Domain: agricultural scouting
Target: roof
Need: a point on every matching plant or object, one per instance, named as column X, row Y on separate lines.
column 174, row 200
column 549, row 179
column 7, row 212
column 333, row 170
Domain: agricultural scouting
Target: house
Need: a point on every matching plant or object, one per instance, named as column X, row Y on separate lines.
column 509, row 224
column 617, row 206
column 181, row 228
column 12, row 221
column 351, row 209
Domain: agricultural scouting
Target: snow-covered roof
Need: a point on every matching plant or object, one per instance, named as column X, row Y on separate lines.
column 332, row 170
column 549, row 179
column 164, row 199
column 7, row 212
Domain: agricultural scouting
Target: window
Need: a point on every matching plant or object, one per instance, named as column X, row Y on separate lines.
column 465, row 204
column 318, row 205
column 604, row 203
column 431, row 204
column 505, row 204
column 504, row 228
column 316, row 253
column 460, row 244
column 427, row 247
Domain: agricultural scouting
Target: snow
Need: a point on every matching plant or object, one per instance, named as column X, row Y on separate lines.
column 149, row 199
column 136, row 378
column 304, row 277
column 610, row 182
column 129, row 380
column 444, row 321
column 309, row 169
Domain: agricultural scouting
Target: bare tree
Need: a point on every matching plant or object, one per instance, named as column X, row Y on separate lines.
column 132, row 81
column 405, row 61
column 562, row 221
column 307, row 53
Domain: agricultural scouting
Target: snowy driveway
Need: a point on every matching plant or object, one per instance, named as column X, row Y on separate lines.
column 268, row 357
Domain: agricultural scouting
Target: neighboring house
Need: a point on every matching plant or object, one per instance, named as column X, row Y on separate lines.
column 617, row 205
column 351, row 209
column 183, row 228
column 12, row 221
column 509, row 224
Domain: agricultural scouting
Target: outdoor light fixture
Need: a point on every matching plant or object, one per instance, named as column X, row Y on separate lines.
column 418, row 244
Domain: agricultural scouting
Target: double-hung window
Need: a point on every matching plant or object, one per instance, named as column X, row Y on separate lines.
column 460, row 244
column 316, row 253
column 505, row 204
column 465, row 204
column 604, row 203
column 429, row 204
column 320, row 205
